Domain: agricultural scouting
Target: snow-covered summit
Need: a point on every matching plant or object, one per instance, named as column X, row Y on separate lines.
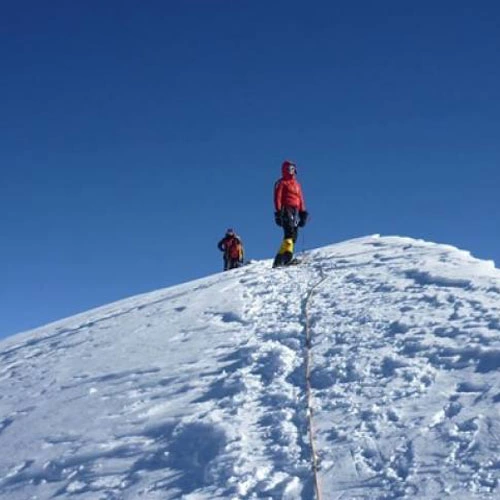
column 377, row 359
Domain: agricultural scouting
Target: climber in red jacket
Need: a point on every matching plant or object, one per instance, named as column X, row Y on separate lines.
column 290, row 211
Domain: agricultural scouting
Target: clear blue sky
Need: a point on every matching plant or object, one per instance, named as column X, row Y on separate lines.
column 134, row 133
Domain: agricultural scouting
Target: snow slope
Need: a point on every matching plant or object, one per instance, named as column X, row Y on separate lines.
column 201, row 391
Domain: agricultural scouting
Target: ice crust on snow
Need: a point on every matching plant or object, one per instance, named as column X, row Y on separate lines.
column 198, row 391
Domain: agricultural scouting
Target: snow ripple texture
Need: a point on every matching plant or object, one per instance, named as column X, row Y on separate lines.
column 198, row 391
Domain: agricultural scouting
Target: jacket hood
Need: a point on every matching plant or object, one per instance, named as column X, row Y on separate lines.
column 284, row 169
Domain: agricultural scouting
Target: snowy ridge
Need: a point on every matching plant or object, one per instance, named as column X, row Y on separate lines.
column 199, row 391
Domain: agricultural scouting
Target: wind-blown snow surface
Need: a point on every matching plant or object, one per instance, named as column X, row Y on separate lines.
column 199, row 391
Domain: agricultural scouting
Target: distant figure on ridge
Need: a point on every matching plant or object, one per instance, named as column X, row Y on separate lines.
column 232, row 247
column 290, row 212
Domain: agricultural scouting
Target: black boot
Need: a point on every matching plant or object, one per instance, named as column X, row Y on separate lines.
column 286, row 258
column 278, row 260
column 283, row 259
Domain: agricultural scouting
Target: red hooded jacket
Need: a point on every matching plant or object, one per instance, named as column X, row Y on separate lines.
column 287, row 191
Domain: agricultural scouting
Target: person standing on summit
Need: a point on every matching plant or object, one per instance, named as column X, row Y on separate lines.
column 290, row 211
column 232, row 248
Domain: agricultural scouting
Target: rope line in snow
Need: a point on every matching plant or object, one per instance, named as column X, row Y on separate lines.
column 308, row 362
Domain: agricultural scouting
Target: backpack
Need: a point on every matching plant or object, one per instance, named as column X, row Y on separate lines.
column 233, row 248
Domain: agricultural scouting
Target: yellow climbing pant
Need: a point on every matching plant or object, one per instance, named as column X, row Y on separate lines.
column 286, row 246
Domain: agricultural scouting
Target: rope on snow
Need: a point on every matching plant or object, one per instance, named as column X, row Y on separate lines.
column 308, row 362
